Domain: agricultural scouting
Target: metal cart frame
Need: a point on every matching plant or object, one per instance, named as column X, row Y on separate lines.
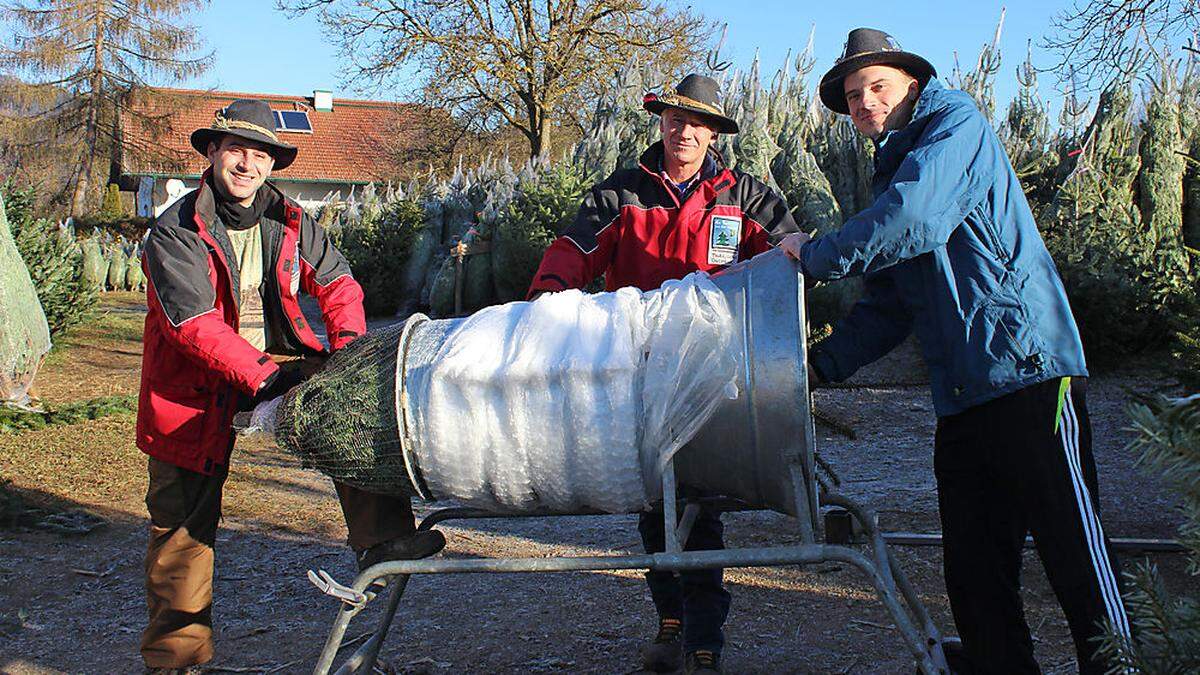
column 892, row 587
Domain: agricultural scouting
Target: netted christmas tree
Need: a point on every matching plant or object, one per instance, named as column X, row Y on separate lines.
column 1108, row 259
column 1025, row 133
column 754, row 149
column 980, row 80
column 54, row 260
column 544, row 204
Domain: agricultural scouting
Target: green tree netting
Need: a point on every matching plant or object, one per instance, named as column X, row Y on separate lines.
column 360, row 443
column 24, row 333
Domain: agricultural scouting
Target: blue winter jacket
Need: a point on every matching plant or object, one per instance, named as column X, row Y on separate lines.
column 949, row 250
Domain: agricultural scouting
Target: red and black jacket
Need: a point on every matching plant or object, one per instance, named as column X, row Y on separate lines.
column 195, row 363
column 633, row 229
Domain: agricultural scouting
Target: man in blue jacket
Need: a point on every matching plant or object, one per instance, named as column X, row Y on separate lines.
column 949, row 250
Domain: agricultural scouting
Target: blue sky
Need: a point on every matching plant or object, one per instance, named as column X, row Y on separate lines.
column 262, row 50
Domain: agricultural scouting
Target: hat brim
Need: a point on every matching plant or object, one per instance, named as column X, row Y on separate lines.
column 283, row 153
column 723, row 125
column 832, row 88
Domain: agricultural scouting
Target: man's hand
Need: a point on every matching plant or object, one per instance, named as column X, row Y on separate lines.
column 792, row 243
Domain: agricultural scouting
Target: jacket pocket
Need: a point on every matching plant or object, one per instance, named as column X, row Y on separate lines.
column 990, row 233
column 178, row 413
column 1004, row 324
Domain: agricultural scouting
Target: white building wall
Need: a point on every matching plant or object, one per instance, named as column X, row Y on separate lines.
column 155, row 194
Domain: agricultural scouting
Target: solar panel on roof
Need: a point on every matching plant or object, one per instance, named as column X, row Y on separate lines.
column 293, row 120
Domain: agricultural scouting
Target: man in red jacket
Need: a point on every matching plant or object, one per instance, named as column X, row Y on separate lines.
column 680, row 210
column 224, row 266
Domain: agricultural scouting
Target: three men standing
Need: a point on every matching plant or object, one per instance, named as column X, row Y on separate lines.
column 950, row 251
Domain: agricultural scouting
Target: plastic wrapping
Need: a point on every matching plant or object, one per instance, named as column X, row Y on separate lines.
column 95, row 267
column 570, row 402
column 117, row 267
column 24, row 333
column 567, row 404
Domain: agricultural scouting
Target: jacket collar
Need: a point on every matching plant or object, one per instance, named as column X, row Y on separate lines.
column 894, row 146
column 926, row 103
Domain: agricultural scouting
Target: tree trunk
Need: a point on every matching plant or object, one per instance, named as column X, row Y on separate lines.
column 83, row 182
column 91, row 129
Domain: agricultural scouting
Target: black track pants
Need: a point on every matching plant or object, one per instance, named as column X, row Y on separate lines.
column 1023, row 464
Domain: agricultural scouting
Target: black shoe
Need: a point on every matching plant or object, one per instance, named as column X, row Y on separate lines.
column 665, row 653
column 702, row 662
column 418, row 545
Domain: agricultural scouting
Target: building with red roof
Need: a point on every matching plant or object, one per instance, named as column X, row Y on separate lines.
column 343, row 144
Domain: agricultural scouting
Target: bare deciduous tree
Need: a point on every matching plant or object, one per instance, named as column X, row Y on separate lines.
column 73, row 65
column 1097, row 39
column 529, row 65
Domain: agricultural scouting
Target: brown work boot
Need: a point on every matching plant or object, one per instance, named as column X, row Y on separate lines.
column 702, row 662
column 665, row 653
column 415, row 546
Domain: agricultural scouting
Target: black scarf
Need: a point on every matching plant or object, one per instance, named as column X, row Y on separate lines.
column 235, row 216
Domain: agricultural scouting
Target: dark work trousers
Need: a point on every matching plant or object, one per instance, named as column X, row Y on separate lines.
column 185, row 508
column 1023, row 464
column 697, row 597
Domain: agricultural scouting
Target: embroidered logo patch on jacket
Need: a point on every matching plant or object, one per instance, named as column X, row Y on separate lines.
column 724, row 236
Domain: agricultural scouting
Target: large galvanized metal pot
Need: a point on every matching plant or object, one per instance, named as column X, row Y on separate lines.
column 757, row 448
column 753, row 446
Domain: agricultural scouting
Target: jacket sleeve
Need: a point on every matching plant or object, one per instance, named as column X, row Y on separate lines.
column 177, row 266
column 325, row 275
column 768, row 219
column 875, row 325
column 944, row 176
column 585, row 249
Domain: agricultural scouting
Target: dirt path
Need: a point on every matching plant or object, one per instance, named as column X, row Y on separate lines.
column 74, row 604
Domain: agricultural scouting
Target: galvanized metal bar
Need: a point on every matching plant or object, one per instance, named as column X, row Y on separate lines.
column 803, row 512
column 1119, row 543
column 687, row 560
column 686, row 521
column 670, row 519
column 895, row 582
column 930, row 662
column 364, row 658
column 334, row 642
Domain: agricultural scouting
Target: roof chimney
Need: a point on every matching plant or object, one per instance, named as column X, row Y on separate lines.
column 323, row 100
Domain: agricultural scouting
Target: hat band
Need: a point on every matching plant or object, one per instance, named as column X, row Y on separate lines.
column 677, row 99
column 221, row 122
column 878, row 51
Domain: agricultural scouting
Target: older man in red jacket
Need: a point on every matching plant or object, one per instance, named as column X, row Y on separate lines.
column 680, row 210
column 225, row 265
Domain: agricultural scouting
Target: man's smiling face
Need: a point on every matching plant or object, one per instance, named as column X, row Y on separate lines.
column 880, row 99
column 240, row 167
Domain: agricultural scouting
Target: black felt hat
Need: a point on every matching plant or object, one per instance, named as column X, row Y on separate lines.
column 869, row 47
column 698, row 94
column 250, row 119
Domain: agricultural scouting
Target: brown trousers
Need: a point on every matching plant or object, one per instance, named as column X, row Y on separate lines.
column 185, row 507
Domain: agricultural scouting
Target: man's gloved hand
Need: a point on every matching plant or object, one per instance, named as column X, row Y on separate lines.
column 278, row 384
column 311, row 365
